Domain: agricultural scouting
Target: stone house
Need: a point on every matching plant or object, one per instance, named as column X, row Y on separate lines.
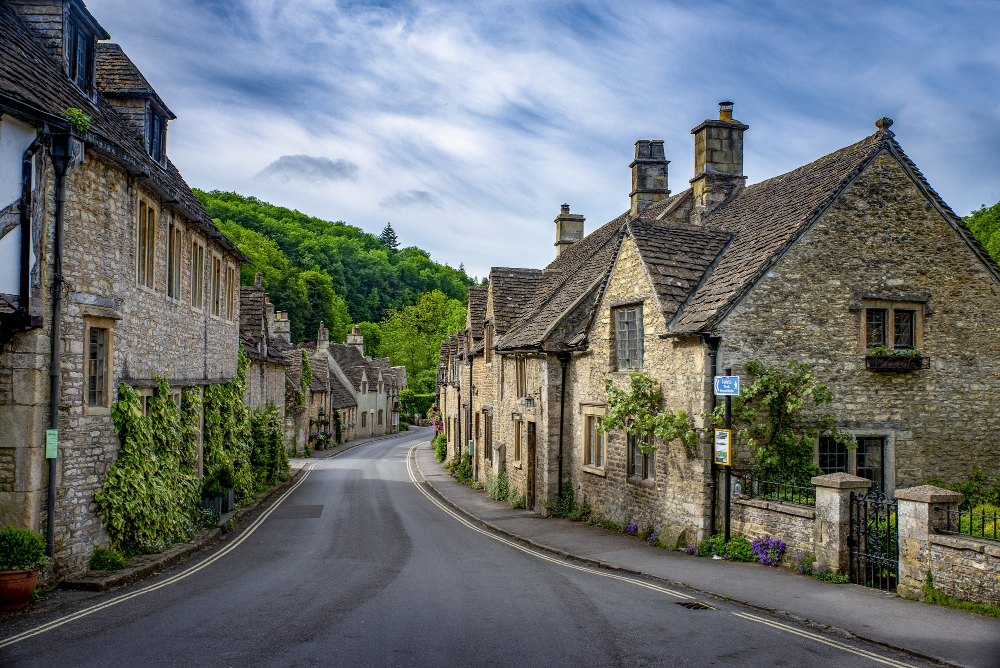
column 111, row 272
column 328, row 397
column 376, row 385
column 269, row 352
column 821, row 265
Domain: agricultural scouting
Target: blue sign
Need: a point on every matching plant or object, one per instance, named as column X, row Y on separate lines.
column 727, row 386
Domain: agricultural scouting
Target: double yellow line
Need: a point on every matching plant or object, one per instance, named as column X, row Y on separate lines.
column 635, row 581
column 165, row 583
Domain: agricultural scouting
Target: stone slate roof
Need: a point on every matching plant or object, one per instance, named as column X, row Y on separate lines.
column 117, row 75
column 252, row 310
column 478, row 296
column 340, row 396
column 513, row 289
column 32, row 81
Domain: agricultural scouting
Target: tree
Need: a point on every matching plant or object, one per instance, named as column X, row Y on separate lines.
column 985, row 224
column 412, row 336
column 388, row 237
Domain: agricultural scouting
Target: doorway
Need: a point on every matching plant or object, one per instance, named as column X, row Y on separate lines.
column 529, row 496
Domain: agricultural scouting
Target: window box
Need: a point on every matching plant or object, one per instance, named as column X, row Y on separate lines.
column 896, row 362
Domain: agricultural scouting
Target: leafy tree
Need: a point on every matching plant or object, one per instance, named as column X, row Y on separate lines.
column 388, row 237
column 985, row 223
column 373, row 338
column 412, row 336
column 637, row 411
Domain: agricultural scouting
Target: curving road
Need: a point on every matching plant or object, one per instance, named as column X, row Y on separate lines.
column 359, row 564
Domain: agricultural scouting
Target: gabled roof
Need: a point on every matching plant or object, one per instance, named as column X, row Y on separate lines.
column 513, row 289
column 117, row 75
column 477, row 310
column 33, row 84
column 340, row 396
column 252, row 310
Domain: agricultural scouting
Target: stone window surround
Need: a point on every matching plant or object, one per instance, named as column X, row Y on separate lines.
column 888, row 466
column 107, row 324
column 175, row 227
column 920, row 311
column 634, row 479
column 211, row 284
column 196, row 240
column 638, row 302
column 588, row 409
column 518, row 450
column 147, row 203
column 230, row 273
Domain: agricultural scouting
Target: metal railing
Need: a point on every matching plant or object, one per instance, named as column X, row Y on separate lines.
column 774, row 490
column 983, row 524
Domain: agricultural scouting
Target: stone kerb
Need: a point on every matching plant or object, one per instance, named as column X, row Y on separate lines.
column 833, row 515
column 921, row 512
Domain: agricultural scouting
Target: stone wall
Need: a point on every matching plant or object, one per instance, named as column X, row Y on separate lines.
column 793, row 524
column 883, row 239
column 265, row 384
column 966, row 568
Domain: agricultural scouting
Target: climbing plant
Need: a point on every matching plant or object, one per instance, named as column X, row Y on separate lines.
column 149, row 496
column 638, row 412
column 228, row 440
column 268, row 457
column 773, row 421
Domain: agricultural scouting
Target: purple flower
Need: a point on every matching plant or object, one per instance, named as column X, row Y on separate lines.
column 652, row 537
column 631, row 529
column 768, row 550
column 691, row 549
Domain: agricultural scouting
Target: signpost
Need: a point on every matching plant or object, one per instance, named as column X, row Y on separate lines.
column 727, row 386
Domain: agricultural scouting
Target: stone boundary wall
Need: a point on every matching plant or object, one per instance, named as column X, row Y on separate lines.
column 966, row 568
column 791, row 523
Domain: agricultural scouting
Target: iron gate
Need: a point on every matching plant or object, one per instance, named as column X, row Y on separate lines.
column 874, row 540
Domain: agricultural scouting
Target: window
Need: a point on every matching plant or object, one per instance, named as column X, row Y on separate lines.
column 488, row 345
column 97, row 366
column 363, row 419
column 230, row 292
column 875, row 327
column 174, row 262
column 147, row 243
column 593, row 448
column 156, row 129
column 517, row 440
column 521, row 376
column 629, row 337
column 488, row 437
column 197, row 274
column 380, row 416
column 380, row 385
column 216, row 284
column 640, row 465
column 364, row 387
column 870, row 457
column 79, row 51
column 832, row 456
column 902, row 329
column 477, row 425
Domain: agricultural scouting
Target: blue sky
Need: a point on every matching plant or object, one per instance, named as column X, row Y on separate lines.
column 466, row 124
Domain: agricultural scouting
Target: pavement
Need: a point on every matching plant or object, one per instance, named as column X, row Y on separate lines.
column 941, row 634
column 359, row 562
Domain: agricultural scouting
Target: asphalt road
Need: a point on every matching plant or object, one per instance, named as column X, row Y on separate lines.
column 360, row 565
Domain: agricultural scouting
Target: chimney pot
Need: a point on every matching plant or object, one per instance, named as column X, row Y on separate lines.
column 725, row 111
column 258, row 279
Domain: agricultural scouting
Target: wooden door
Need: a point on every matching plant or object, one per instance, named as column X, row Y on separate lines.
column 529, row 496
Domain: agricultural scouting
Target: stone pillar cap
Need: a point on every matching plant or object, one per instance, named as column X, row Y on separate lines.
column 929, row 494
column 841, row 481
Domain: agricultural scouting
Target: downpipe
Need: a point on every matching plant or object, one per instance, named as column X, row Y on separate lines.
column 60, row 160
column 713, row 352
column 563, row 359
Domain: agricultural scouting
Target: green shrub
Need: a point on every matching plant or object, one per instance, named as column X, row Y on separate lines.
column 740, row 549
column 441, row 447
column 462, row 470
column 498, row 486
column 826, row 574
column 580, row 513
column 706, row 548
column 21, row 549
column 268, row 458
column 106, row 558
column 517, row 500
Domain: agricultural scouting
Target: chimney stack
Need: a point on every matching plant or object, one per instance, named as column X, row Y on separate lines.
column 718, row 161
column 282, row 326
column 323, row 339
column 649, row 175
column 356, row 339
column 569, row 229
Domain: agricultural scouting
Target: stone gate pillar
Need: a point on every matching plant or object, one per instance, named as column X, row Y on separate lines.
column 833, row 513
column 921, row 511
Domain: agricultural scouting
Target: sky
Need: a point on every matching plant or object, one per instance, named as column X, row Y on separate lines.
column 467, row 124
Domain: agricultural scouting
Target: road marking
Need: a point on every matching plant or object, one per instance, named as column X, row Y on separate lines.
column 826, row 641
column 782, row 627
column 517, row 546
column 169, row 581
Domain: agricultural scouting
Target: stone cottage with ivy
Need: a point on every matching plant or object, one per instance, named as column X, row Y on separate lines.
column 111, row 272
column 851, row 264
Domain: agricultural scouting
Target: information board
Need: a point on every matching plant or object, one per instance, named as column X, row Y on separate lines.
column 723, row 448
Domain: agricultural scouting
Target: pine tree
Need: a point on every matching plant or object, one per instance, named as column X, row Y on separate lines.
column 388, row 237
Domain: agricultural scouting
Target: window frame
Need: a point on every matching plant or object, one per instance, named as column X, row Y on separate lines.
column 107, row 326
column 175, row 254
column 216, row 283
column 76, row 37
column 156, row 131
column 647, row 463
column 380, row 416
column 197, row 275
column 518, row 435
column 487, row 436
column 145, row 245
column 230, row 291
column 488, row 343
column 890, row 309
column 592, row 415
column 521, row 375
column 825, row 443
column 629, row 340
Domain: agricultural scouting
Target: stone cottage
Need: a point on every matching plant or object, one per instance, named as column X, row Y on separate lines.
column 269, row 352
column 375, row 383
column 828, row 264
column 111, row 272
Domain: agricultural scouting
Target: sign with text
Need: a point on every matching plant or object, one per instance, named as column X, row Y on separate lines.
column 51, row 443
column 727, row 386
column 723, row 438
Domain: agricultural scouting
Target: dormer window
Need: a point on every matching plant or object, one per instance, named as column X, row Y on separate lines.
column 80, row 52
column 156, row 131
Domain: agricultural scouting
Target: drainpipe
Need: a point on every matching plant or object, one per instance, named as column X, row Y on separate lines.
column 563, row 359
column 472, row 454
column 713, row 352
column 60, row 160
